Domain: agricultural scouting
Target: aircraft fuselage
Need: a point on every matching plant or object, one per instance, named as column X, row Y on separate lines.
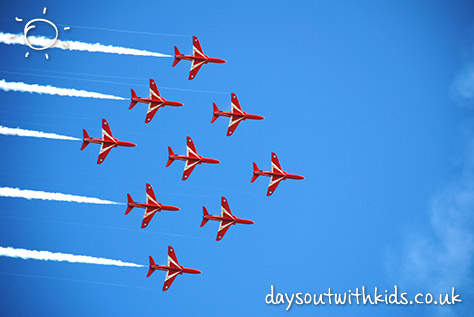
column 115, row 142
column 158, row 207
column 234, row 221
column 285, row 175
column 181, row 269
column 245, row 116
column 194, row 159
column 162, row 101
column 205, row 59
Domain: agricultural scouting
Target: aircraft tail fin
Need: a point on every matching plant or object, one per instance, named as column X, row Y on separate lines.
column 176, row 59
column 170, row 153
column 255, row 175
column 151, row 270
column 133, row 103
column 204, row 213
column 129, row 208
column 214, row 116
column 86, row 136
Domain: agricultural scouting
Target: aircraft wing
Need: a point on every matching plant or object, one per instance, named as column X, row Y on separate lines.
column 223, row 227
column 154, row 93
column 233, row 123
column 190, row 148
column 236, row 105
column 188, row 169
column 225, row 209
column 152, row 110
column 104, row 151
column 172, row 259
column 196, row 64
column 274, row 181
column 106, row 132
column 195, row 67
column 276, row 167
column 149, row 213
column 197, row 50
column 150, row 195
column 170, row 276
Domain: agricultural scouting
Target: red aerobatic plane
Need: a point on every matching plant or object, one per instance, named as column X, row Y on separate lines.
column 107, row 142
column 276, row 175
column 198, row 58
column 226, row 218
column 236, row 115
column 155, row 101
column 151, row 206
column 172, row 269
column 192, row 158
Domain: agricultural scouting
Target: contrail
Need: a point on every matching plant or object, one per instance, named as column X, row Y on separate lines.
column 33, row 194
column 34, row 134
column 50, row 90
column 61, row 257
column 41, row 41
column 76, row 280
column 124, row 31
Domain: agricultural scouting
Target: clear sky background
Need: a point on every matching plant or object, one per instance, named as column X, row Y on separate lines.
column 367, row 100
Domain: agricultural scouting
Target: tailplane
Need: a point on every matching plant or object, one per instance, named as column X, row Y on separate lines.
column 204, row 213
column 133, row 103
column 176, row 59
column 215, row 115
column 170, row 153
column 151, row 270
column 129, row 207
column 255, row 175
column 86, row 136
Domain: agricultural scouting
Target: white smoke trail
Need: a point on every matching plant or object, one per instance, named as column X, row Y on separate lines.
column 50, row 90
column 34, row 134
column 62, row 257
column 33, row 194
column 41, row 41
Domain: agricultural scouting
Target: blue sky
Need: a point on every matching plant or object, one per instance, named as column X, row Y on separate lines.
column 357, row 97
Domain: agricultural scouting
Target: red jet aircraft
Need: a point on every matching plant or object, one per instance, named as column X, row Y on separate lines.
column 226, row 218
column 192, row 158
column 276, row 175
column 151, row 206
column 198, row 58
column 107, row 142
column 155, row 101
column 236, row 115
column 172, row 269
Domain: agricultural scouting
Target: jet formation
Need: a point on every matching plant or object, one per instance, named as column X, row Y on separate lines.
column 151, row 205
